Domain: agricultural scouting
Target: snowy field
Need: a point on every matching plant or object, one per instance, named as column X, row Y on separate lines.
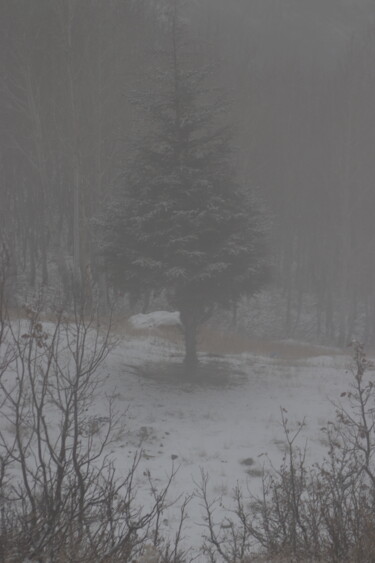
column 224, row 422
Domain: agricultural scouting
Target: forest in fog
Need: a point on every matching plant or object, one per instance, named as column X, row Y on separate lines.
column 299, row 79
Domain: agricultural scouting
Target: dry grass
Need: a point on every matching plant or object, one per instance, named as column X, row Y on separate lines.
column 217, row 342
column 278, row 559
column 214, row 342
column 220, row 343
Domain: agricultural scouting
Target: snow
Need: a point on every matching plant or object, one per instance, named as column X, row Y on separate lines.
column 223, row 422
column 155, row 319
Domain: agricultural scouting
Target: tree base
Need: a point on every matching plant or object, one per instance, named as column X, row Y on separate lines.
column 191, row 366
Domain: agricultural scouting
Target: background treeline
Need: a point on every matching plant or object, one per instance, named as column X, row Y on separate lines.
column 301, row 81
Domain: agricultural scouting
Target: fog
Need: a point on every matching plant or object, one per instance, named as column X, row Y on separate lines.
column 300, row 79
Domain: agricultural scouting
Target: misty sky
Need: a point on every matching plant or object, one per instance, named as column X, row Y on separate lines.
column 316, row 31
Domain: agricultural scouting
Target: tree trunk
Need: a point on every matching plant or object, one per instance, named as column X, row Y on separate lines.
column 190, row 329
column 191, row 357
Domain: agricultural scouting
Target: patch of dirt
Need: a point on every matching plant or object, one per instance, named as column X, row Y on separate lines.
column 207, row 374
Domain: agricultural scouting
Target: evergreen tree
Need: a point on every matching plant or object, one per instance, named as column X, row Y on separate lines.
column 180, row 222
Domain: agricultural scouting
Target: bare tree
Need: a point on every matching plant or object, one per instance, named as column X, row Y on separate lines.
column 318, row 513
column 61, row 499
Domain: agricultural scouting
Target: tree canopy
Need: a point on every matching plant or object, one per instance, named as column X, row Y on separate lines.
column 180, row 221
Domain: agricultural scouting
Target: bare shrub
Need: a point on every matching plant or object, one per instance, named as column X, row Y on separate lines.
column 225, row 539
column 60, row 498
column 319, row 513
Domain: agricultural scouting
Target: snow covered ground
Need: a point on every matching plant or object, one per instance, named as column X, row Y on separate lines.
column 155, row 319
column 222, row 422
